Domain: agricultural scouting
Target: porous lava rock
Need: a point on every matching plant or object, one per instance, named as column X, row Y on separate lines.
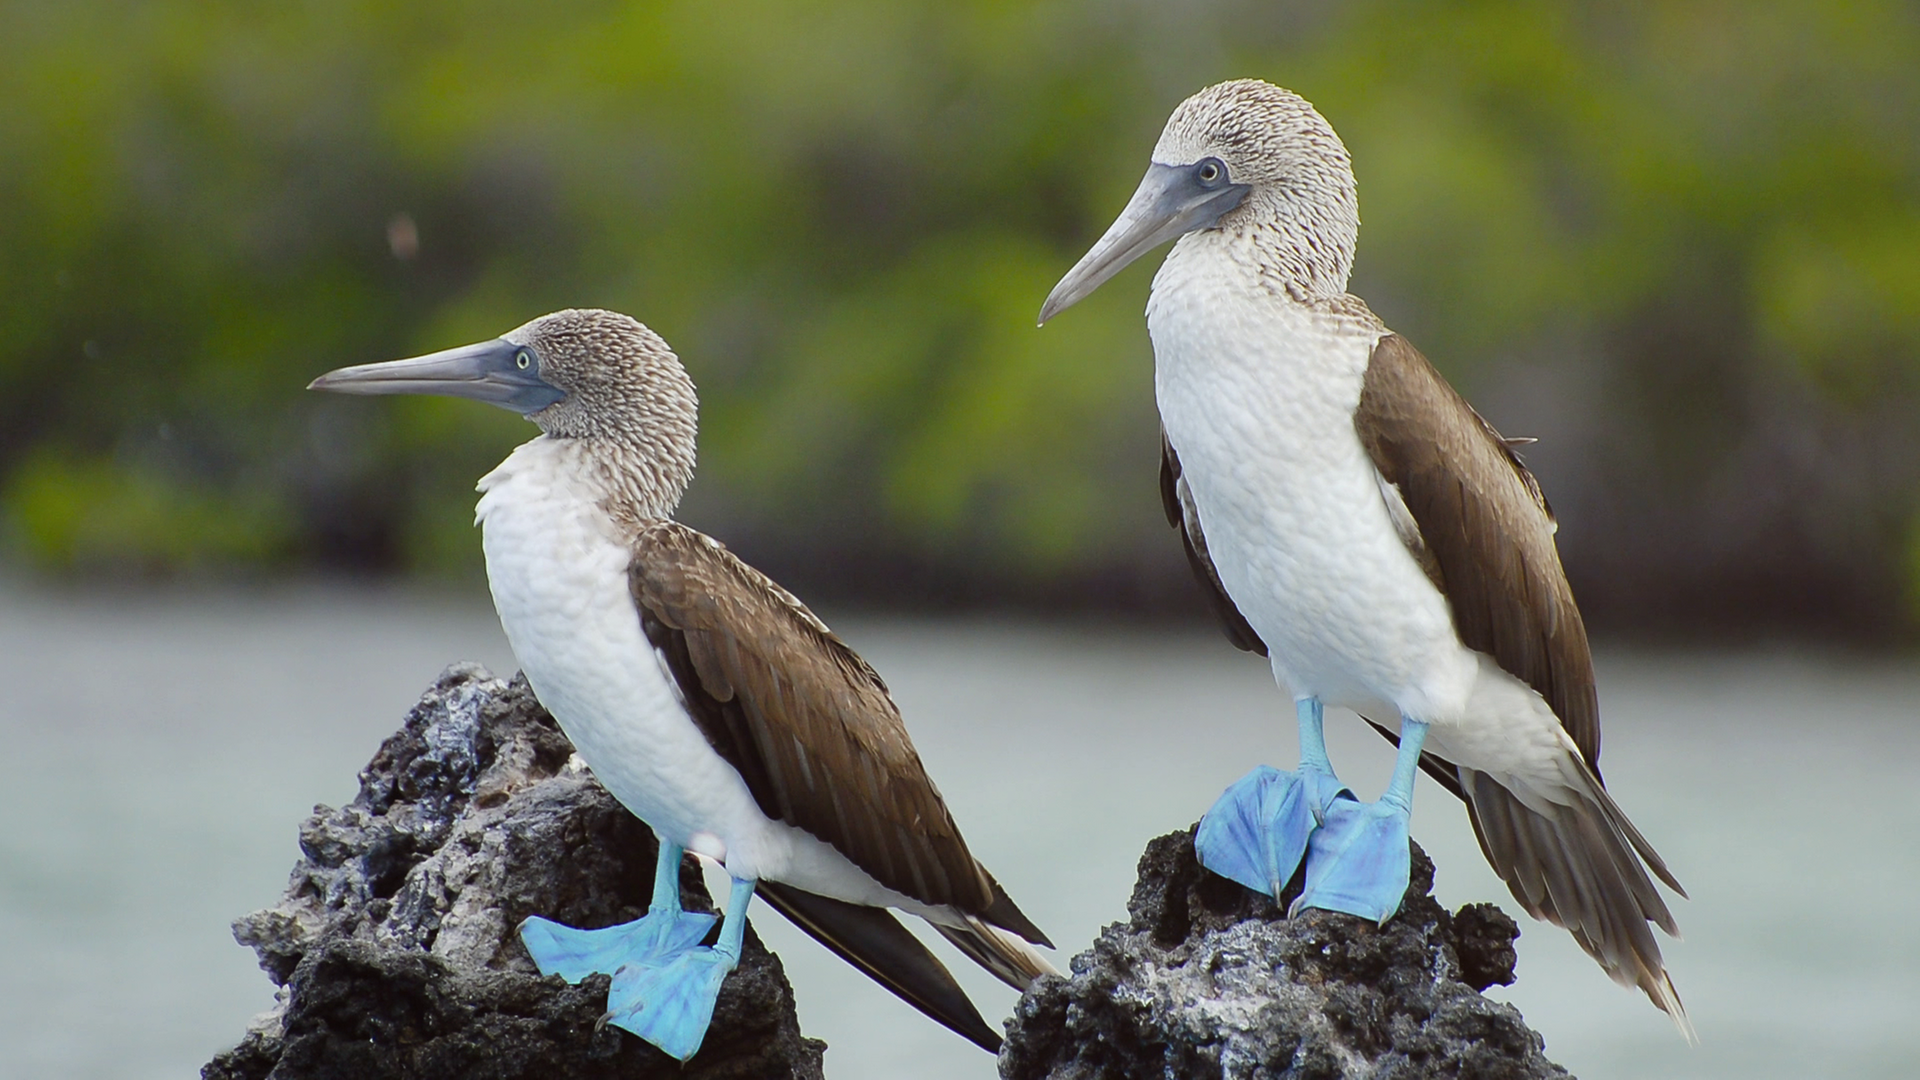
column 1210, row 979
column 396, row 957
column 395, row 945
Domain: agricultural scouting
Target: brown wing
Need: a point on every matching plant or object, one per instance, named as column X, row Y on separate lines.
column 1182, row 515
column 809, row 726
column 1487, row 531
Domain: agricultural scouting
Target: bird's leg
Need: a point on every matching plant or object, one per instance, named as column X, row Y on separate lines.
column 1316, row 771
column 671, row 1004
column 1256, row 832
column 1359, row 861
column 654, row 938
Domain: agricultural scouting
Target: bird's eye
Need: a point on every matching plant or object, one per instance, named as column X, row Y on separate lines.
column 1210, row 171
column 523, row 359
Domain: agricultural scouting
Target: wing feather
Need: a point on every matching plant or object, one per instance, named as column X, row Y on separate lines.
column 808, row 724
column 1485, row 536
column 1487, row 532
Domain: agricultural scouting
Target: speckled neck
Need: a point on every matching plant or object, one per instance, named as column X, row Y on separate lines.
column 640, row 483
column 1304, row 247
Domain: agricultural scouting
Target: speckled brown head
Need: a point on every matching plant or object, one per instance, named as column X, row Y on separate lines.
column 585, row 373
column 1246, row 158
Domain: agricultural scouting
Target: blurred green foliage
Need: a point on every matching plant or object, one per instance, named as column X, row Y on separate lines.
column 844, row 215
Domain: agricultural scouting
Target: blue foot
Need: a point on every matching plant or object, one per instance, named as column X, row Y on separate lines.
column 575, row 954
column 671, row 1004
column 651, row 939
column 664, row 981
column 1258, row 830
column 1358, row 862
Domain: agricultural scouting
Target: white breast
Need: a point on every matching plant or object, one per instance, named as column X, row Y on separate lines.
column 1257, row 394
column 557, row 566
column 559, row 578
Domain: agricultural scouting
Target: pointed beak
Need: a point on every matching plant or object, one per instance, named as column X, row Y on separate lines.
column 497, row 372
column 1169, row 203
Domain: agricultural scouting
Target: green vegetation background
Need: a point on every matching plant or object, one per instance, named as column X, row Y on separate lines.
column 1678, row 240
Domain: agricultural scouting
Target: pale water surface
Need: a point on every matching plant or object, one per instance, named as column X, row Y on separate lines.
column 161, row 751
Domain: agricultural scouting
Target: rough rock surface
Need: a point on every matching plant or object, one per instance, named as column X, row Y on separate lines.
column 1209, row 979
column 394, row 946
column 395, row 950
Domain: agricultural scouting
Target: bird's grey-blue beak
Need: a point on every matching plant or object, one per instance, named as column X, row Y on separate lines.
column 1171, row 201
column 497, row 372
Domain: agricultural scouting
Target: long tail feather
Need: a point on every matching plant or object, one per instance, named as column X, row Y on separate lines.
column 1006, row 916
column 1583, row 868
column 872, row 940
column 1011, row 960
column 1580, row 867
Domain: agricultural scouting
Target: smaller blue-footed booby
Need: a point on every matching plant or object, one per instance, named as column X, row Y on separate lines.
column 1355, row 521
column 706, row 698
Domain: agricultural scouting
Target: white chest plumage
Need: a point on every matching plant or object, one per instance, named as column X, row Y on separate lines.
column 1257, row 394
column 557, row 566
column 558, row 573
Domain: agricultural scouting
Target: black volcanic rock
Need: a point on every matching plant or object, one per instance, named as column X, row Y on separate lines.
column 1209, row 979
column 394, row 946
column 395, row 950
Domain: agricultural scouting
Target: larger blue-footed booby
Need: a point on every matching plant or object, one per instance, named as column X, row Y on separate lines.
column 1360, row 525
column 705, row 697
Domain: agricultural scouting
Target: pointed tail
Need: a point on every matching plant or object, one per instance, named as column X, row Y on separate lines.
column 872, row 940
column 1584, row 866
column 1011, row 960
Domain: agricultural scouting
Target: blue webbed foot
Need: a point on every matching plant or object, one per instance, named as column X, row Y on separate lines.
column 670, row 1004
column 1258, row 830
column 664, row 981
column 1358, row 861
column 650, row 940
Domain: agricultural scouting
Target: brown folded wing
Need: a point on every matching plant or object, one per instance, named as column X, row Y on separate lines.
column 1487, row 532
column 1484, row 533
column 809, row 726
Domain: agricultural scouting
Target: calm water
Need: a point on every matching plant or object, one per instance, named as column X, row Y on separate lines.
column 162, row 749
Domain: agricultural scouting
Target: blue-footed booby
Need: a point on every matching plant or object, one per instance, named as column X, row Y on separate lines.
column 1356, row 522
column 706, row 698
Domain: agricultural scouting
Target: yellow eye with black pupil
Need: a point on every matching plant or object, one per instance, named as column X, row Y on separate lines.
column 1209, row 172
column 522, row 360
